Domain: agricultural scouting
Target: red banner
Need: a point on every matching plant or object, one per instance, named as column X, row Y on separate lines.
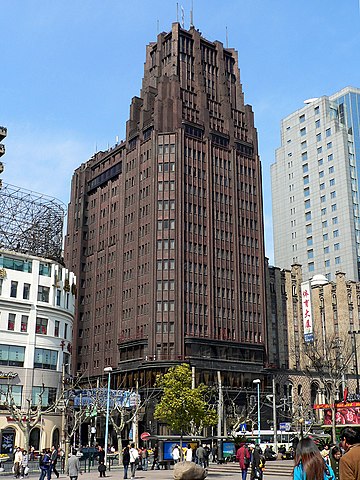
column 349, row 415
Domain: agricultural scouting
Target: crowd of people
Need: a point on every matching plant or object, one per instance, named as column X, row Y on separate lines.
column 47, row 462
column 332, row 462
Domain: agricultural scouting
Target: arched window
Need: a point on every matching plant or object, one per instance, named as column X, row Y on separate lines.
column 55, row 438
column 7, row 440
column 314, row 392
column 34, row 440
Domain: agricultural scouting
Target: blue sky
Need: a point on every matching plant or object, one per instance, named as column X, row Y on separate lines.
column 69, row 68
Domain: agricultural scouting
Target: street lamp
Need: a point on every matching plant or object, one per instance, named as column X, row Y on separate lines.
column 257, row 382
column 107, row 370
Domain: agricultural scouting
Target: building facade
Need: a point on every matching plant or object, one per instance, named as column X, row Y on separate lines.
column 165, row 231
column 36, row 321
column 311, row 369
column 315, row 187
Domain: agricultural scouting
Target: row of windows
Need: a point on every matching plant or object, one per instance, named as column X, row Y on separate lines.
column 165, row 306
column 45, row 395
column 327, row 263
column 12, row 355
column 41, row 326
column 166, row 149
column 306, row 180
column 42, row 296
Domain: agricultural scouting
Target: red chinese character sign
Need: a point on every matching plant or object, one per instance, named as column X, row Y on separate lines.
column 307, row 312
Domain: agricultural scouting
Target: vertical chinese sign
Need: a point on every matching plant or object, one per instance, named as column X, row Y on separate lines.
column 307, row 312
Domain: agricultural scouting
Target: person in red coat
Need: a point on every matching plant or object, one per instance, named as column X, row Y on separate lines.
column 243, row 457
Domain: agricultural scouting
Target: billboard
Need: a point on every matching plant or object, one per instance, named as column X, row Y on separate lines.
column 228, row 449
column 98, row 397
column 345, row 413
column 307, row 312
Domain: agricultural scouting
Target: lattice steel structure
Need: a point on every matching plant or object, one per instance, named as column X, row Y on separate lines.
column 31, row 222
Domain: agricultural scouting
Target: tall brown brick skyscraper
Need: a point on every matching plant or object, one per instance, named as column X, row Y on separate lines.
column 165, row 231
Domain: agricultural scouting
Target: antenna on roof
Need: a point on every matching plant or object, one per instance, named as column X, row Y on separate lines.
column 227, row 38
column 157, row 26
column 182, row 17
column 177, row 12
column 192, row 14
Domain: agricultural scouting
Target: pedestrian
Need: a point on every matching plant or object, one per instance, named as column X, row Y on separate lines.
column 243, row 457
column 126, row 460
column 156, row 458
column 134, row 459
column 199, row 455
column 32, row 453
column 335, row 456
column 176, row 454
column 309, row 464
column 325, row 453
column 214, row 453
column 54, row 459
column 17, row 462
column 24, row 464
column 257, row 463
column 206, row 455
column 45, row 464
column 350, row 461
column 144, row 458
column 189, row 453
column 101, row 455
column 73, row 467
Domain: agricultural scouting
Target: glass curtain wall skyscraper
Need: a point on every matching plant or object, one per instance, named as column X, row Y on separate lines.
column 315, row 187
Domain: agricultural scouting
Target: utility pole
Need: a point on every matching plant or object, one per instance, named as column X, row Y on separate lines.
column 220, row 413
column 136, row 417
column 274, row 414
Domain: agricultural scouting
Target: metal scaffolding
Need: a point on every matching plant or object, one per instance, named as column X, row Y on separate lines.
column 31, row 223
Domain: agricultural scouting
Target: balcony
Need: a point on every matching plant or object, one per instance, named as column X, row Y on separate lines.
column 3, row 133
column 2, row 149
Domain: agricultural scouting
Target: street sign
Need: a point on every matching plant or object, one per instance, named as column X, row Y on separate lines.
column 285, row 426
column 145, row 436
column 243, row 427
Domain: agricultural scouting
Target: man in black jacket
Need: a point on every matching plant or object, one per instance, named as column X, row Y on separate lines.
column 54, row 458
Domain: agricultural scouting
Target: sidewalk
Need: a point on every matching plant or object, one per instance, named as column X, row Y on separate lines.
column 277, row 470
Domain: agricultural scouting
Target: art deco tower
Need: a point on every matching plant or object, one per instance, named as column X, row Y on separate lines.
column 165, row 231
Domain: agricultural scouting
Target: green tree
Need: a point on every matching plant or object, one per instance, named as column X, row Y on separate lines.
column 182, row 407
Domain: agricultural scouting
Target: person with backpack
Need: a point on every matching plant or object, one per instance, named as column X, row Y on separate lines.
column 45, row 464
column 243, row 457
column 309, row 464
column 257, row 463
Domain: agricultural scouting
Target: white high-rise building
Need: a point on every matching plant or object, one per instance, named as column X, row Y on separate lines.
column 37, row 297
column 315, row 187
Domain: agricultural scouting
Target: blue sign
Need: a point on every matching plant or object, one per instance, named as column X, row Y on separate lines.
column 285, row 427
column 243, row 427
column 228, row 449
column 168, row 448
column 98, row 397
